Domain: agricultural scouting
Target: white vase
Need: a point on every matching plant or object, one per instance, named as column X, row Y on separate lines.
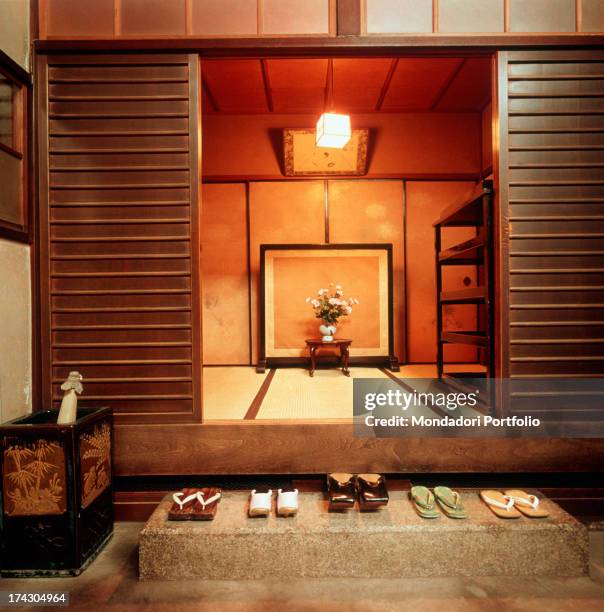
column 327, row 332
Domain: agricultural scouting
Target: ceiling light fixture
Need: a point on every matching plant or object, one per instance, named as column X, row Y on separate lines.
column 333, row 129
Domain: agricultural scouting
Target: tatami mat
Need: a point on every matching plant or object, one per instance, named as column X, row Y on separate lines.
column 428, row 372
column 229, row 391
column 293, row 394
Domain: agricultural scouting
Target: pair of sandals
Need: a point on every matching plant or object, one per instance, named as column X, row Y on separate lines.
column 513, row 503
column 195, row 504
column 344, row 489
column 261, row 502
column 429, row 505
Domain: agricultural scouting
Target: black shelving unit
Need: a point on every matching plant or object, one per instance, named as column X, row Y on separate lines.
column 476, row 212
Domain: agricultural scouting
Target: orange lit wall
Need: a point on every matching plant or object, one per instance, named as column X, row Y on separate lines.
column 372, row 211
column 425, row 201
column 225, row 274
column 286, row 213
column 487, row 137
column 236, row 148
column 447, row 144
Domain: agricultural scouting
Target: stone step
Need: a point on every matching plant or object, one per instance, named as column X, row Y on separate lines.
column 392, row 542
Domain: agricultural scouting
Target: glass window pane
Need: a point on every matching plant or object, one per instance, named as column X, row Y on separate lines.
column 8, row 96
column 11, row 190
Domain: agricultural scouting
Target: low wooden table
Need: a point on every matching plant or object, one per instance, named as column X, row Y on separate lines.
column 341, row 343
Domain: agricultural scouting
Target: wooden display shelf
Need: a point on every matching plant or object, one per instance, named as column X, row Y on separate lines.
column 476, row 211
column 467, row 213
column 466, row 253
column 476, row 338
column 471, row 295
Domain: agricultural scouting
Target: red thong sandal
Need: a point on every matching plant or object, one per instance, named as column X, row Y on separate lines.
column 206, row 504
column 183, row 505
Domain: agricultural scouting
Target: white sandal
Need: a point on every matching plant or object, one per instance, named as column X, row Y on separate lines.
column 287, row 502
column 260, row 503
column 526, row 503
column 500, row 505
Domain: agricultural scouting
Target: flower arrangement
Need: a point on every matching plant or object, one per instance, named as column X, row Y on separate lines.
column 330, row 304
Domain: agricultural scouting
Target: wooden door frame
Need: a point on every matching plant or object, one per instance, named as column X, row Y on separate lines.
column 277, row 447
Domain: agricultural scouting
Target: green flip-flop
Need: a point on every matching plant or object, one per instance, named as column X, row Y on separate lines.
column 450, row 502
column 424, row 502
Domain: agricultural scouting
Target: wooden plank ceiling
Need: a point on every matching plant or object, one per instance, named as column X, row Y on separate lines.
column 365, row 85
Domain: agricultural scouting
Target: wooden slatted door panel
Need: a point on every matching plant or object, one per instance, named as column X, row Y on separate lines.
column 552, row 191
column 119, row 232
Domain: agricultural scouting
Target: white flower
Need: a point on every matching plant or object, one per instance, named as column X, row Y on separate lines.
column 348, row 309
column 339, row 292
column 307, row 300
column 334, row 301
column 356, row 301
column 339, row 287
column 322, row 292
column 316, row 303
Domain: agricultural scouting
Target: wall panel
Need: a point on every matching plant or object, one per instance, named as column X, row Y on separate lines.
column 542, row 16
column 400, row 144
column 425, row 202
column 592, row 15
column 224, row 274
column 290, row 18
column 224, row 17
column 470, row 16
column 373, row 211
column 391, row 16
column 282, row 213
column 152, row 17
column 295, row 17
column 487, row 137
column 82, row 19
column 118, row 206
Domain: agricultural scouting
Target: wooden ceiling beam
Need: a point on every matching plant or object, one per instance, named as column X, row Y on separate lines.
column 209, row 95
column 267, row 86
column 386, row 84
column 447, row 84
column 328, row 81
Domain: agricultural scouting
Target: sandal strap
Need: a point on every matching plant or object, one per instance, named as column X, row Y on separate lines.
column 532, row 501
column 261, row 500
column 493, row 502
column 288, row 499
column 206, row 502
column 177, row 497
column 428, row 504
column 456, row 505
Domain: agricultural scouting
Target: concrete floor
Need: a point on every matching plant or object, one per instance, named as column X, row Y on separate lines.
column 111, row 583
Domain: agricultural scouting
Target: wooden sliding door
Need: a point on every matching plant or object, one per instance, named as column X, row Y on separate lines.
column 552, row 219
column 119, row 182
